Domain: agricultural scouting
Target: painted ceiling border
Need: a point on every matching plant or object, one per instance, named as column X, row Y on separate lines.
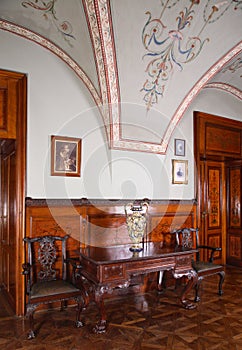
column 109, row 54
column 108, row 48
column 53, row 48
column 199, row 86
column 94, row 25
column 99, row 19
column 225, row 87
column 201, row 83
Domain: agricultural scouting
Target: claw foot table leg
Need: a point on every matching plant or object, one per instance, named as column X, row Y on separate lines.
column 100, row 327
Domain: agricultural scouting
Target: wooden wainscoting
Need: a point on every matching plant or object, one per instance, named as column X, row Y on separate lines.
column 103, row 222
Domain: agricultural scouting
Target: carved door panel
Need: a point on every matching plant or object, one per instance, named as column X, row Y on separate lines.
column 8, row 220
column 8, row 106
column 212, row 205
column 234, row 221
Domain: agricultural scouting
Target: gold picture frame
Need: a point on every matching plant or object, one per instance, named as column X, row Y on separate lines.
column 179, row 171
column 65, row 156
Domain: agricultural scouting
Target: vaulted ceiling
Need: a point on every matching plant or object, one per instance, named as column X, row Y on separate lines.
column 143, row 61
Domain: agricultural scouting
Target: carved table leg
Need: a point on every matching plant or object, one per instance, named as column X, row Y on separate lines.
column 79, row 308
column 192, row 280
column 101, row 325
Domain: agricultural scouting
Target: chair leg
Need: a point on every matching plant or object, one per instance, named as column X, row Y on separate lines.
column 221, row 280
column 197, row 288
column 79, row 323
column 30, row 314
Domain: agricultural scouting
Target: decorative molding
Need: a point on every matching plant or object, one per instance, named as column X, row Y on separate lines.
column 43, row 202
column 95, row 32
column 198, row 87
column 225, row 87
column 53, row 48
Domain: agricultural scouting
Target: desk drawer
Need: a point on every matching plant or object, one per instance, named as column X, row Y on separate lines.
column 146, row 266
column 112, row 272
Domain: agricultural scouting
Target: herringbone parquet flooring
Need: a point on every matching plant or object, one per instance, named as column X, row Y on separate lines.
column 142, row 322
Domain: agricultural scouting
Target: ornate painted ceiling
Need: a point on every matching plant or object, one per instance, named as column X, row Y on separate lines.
column 143, row 61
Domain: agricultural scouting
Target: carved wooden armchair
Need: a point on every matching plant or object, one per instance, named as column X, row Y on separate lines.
column 189, row 237
column 47, row 276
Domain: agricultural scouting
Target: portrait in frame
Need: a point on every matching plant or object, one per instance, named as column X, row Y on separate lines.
column 179, row 171
column 180, row 147
column 65, row 156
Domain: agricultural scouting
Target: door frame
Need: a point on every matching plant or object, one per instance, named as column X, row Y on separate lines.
column 21, row 147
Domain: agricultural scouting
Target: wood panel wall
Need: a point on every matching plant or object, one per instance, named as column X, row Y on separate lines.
column 103, row 222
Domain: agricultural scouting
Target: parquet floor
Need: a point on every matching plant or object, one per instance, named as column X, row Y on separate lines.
column 143, row 322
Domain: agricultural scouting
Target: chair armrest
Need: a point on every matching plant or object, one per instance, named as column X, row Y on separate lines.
column 208, row 247
column 76, row 267
column 213, row 250
column 28, row 279
column 75, row 262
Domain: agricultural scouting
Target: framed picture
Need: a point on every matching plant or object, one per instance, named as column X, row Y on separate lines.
column 179, row 147
column 65, row 156
column 179, row 171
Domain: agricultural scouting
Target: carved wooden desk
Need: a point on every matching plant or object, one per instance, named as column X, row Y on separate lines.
column 103, row 269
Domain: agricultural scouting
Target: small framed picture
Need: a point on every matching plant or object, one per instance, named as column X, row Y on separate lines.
column 65, row 156
column 179, row 147
column 179, row 171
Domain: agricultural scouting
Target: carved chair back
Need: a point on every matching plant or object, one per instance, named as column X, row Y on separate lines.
column 47, row 277
column 46, row 258
column 187, row 237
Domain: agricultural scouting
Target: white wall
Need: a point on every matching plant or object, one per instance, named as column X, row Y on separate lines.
column 59, row 104
column 217, row 102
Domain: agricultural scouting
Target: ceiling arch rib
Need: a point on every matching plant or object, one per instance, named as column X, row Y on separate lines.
column 100, row 29
column 110, row 67
column 225, row 87
column 53, row 48
column 200, row 85
column 47, row 44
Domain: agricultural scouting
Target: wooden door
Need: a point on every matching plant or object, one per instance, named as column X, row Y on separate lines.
column 13, row 102
column 234, row 220
column 8, row 220
column 217, row 141
column 212, row 223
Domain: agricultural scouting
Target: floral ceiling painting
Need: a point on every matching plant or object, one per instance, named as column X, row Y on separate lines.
column 169, row 48
column 143, row 61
